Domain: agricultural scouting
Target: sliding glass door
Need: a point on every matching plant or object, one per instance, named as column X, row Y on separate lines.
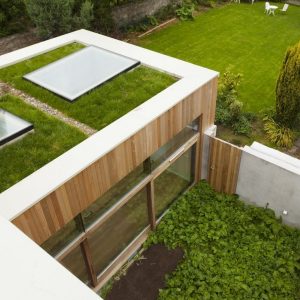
column 171, row 183
column 116, row 224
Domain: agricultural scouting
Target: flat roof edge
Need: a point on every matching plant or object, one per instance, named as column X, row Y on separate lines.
column 57, row 172
column 271, row 160
column 42, row 277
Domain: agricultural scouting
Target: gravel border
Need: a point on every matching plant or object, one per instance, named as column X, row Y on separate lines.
column 7, row 89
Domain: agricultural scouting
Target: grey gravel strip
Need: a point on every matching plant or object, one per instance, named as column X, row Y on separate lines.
column 7, row 89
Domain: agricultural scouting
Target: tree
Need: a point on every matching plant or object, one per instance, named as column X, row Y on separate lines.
column 51, row 17
column 86, row 15
column 288, row 89
column 12, row 17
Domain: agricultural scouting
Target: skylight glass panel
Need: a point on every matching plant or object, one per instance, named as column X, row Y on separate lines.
column 78, row 73
column 12, row 127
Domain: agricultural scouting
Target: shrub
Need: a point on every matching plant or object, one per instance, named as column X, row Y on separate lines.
column 229, row 109
column 121, row 2
column 164, row 13
column 223, row 116
column 86, row 15
column 208, row 3
column 12, row 16
column 278, row 134
column 251, row 117
column 50, row 17
column 288, row 88
column 242, row 126
column 235, row 108
column 186, row 11
column 103, row 21
column 229, row 83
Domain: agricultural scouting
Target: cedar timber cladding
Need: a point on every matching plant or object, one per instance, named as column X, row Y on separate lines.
column 224, row 165
column 50, row 214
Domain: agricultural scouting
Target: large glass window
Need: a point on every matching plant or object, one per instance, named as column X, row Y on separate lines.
column 173, row 181
column 170, row 147
column 113, row 236
column 108, row 239
column 74, row 262
column 63, row 237
column 113, row 195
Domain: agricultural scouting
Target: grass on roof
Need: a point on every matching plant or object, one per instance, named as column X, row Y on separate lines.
column 102, row 105
column 236, row 35
column 50, row 139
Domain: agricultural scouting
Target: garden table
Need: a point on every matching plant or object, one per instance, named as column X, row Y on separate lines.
column 272, row 9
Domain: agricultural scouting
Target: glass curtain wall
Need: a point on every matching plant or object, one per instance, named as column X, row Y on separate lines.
column 115, row 219
column 113, row 195
column 114, row 235
column 64, row 236
column 75, row 263
column 169, row 185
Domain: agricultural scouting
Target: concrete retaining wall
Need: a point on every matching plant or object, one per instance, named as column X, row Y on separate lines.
column 133, row 12
column 269, row 177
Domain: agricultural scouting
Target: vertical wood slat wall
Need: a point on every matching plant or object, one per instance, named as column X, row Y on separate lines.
column 54, row 211
column 224, row 165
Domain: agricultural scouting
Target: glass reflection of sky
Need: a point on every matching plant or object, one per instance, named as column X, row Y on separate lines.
column 78, row 73
column 11, row 125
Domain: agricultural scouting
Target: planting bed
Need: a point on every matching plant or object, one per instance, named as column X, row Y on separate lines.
column 231, row 250
column 145, row 276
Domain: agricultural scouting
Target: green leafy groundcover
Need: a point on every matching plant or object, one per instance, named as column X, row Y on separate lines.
column 232, row 250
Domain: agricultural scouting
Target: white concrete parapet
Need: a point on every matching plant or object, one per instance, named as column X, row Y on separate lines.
column 45, row 180
column 27, row 272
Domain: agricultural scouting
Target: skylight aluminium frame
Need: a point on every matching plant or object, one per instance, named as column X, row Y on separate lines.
column 23, row 125
column 80, row 72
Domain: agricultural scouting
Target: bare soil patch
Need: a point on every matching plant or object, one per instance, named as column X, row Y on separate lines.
column 146, row 276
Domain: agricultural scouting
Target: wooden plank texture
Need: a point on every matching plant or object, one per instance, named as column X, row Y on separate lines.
column 224, row 164
column 62, row 205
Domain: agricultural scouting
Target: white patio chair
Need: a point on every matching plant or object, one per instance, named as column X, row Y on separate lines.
column 285, row 7
column 267, row 7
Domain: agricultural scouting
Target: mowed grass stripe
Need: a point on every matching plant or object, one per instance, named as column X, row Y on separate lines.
column 237, row 35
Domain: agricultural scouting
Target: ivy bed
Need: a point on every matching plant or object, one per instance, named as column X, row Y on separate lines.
column 231, row 250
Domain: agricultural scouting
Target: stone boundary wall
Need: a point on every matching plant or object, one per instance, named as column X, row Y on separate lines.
column 135, row 11
column 294, row 2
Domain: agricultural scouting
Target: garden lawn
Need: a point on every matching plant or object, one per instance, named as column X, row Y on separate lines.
column 237, row 35
column 102, row 105
column 232, row 250
column 50, row 139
